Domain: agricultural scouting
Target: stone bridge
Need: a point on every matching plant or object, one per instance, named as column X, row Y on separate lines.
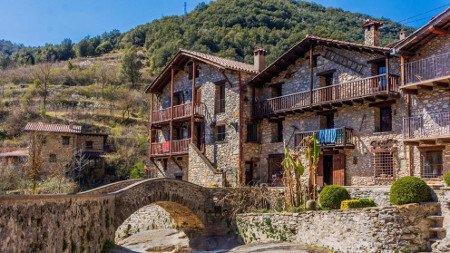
column 84, row 222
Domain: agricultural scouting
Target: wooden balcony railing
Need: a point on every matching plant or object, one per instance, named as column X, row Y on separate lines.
column 429, row 68
column 361, row 88
column 175, row 147
column 427, row 126
column 179, row 112
column 343, row 137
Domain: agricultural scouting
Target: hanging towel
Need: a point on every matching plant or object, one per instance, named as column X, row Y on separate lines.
column 166, row 146
column 327, row 136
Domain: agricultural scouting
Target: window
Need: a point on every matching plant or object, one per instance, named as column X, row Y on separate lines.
column 220, row 133
column 314, row 61
column 385, row 119
column 164, row 162
column 65, row 140
column 275, row 175
column 432, row 164
column 327, row 121
column 277, row 90
column 383, row 163
column 277, row 131
column 52, row 158
column 220, row 98
column 252, row 132
column 178, row 98
column 89, row 144
column 326, row 79
column 197, row 72
column 44, row 140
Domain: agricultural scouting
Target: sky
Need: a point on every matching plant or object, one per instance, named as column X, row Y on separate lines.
column 37, row 22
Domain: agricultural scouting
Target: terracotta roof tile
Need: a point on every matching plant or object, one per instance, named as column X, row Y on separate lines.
column 57, row 128
column 15, row 153
column 226, row 63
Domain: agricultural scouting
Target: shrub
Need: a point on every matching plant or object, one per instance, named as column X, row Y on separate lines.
column 447, row 178
column 332, row 195
column 409, row 190
column 357, row 203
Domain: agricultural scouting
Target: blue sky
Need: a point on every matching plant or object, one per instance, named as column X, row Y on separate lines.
column 36, row 22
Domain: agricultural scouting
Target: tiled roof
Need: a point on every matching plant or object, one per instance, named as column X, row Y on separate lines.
column 15, row 153
column 57, row 128
column 226, row 63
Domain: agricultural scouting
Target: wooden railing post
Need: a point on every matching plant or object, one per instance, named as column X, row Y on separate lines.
column 388, row 81
column 172, row 73
column 193, row 101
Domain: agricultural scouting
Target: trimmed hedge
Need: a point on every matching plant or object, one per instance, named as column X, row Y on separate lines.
column 447, row 178
column 409, row 190
column 331, row 196
column 357, row 203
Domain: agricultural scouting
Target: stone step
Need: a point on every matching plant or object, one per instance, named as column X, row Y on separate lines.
column 433, row 240
column 437, row 229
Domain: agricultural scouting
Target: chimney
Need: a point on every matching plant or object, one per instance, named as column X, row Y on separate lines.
column 371, row 33
column 259, row 58
column 402, row 34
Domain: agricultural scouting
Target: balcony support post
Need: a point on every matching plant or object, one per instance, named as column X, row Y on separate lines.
column 311, row 74
column 150, row 117
column 193, row 102
column 172, row 74
column 402, row 69
column 388, row 81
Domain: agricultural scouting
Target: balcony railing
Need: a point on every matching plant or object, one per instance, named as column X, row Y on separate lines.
column 328, row 137
column 427, row 69
column 175, row 147
column 361, row 88
column 179, row 112
column 427, row 126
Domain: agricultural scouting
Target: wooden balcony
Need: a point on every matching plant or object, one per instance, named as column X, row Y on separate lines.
column 427, row 73
column 180, row 112
column 427, row 129
column 170, row 148
column 342, row 139
column 357, row 91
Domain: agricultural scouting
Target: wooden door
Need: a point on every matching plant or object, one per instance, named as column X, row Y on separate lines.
column 339, row 169
column 319, row 175
column 198, row 95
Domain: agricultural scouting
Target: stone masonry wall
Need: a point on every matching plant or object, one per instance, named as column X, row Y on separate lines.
column 56, row 223
column 386, row 229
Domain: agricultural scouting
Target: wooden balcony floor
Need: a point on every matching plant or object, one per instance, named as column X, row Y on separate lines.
column 428, row 141
column 429, row 84
column 197, row 118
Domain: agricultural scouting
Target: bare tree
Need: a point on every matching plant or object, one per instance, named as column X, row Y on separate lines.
column 42, row 76
column 80, row 162
column 35, row 160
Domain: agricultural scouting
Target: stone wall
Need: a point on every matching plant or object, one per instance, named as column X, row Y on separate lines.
column 380, row 194
column 56, row 223
column 386, row 229
column 147, row 218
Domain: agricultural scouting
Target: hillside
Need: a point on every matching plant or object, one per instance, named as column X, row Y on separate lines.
column 84, row 85
column 228, row 28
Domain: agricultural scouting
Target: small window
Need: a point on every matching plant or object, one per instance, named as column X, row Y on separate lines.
column 52, row 158
column 385, row 119
column 197, row 72
column 277, row 131
column 220, row 133
column 314, row 61
column 164, row 162
column 277, row 90
column 220, row 98
column 66, row 140
column 252, row 132
column 89, row 144
column 383, row 163
column 44, row 140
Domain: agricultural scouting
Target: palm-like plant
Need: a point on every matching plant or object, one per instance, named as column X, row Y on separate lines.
column 312, row 152
column 293, row 170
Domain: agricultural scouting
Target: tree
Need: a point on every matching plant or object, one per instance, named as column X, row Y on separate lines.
column 104, row 47
column 130, row 66
column 293, row 170
column 80, row 162
column 66, row 51
column 42, row 76
column 35, row 160
column 312, row 153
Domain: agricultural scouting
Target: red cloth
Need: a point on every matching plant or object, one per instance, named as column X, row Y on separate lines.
column 166, row 146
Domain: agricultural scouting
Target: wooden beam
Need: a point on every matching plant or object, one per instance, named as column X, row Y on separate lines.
column 427, row 142
column 441, row 84
column 437, row 30
column 411, row 91
column 347, row 103
column 425, row 87
column 328, row 112
column 382, row 103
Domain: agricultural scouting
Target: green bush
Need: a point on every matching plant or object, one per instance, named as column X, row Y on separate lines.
column 409, row 190
column 332, row 195
column 357, row 203
column 447, row 178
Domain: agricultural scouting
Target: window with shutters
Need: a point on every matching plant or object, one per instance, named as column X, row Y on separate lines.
column 220, row 98
column 383, row 163
column 384, row 120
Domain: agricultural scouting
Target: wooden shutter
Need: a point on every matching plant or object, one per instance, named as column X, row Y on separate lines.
column 339, row 169
column 319, row 176
column 198, row 95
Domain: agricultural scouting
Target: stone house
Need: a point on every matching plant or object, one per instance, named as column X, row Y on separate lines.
column 196, row 110
column 356, row 98
column 425, row 57
column 12, row 160
column 58, row 145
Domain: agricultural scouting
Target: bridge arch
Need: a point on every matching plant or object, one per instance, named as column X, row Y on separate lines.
column 190, row 205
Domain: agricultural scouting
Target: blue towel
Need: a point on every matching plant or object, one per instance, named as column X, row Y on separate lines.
column 327, row 136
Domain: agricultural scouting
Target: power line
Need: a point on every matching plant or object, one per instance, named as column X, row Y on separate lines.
column 420, row 14
column 419, row 19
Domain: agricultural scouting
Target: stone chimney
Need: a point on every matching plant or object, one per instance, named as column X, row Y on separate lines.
column 259, row 58
column 402, row 34
column 371, row 33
